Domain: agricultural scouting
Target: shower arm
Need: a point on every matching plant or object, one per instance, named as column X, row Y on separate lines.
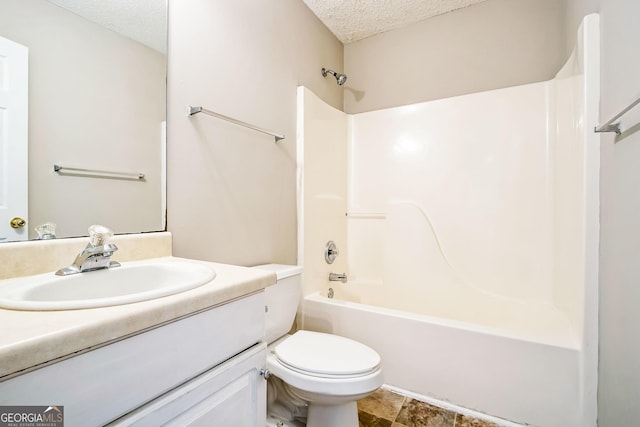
column 340, row 78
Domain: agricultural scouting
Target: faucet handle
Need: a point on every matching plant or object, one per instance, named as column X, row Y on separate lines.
column 99, row 235
column 330, row 252
column 46, row 231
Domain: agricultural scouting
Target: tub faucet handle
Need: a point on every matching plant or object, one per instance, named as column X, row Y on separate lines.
column 330, row 252
column 338, row 277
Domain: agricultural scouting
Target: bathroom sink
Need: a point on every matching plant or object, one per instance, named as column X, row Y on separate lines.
column 132, row 282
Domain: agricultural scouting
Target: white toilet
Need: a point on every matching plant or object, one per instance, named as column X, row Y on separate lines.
column 318, row 375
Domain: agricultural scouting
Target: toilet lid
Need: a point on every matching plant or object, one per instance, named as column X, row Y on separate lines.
column 326, row 354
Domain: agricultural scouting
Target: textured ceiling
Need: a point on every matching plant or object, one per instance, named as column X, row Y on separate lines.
column 142, row 20
column 353, row 20
column 350, row 20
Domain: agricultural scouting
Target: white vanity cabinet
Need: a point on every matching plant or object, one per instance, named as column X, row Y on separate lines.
column 232, row 394
column 203, row 369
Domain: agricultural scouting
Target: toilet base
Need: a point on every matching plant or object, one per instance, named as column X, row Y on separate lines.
column 276, row 422
column 343, row 415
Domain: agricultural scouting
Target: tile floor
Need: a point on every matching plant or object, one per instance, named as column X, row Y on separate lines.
column 385, row 408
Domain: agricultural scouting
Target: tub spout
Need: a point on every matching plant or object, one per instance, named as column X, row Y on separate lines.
column 338, row 277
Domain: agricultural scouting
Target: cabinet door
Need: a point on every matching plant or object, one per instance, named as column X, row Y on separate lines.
column 232, row 394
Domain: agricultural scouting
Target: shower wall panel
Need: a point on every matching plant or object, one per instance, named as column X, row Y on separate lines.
column 322, row 188
column 459, row 186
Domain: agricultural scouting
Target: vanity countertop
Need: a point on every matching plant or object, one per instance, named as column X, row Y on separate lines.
column 32, row 338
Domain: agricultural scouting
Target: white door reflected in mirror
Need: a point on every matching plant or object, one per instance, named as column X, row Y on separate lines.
column 14, row 80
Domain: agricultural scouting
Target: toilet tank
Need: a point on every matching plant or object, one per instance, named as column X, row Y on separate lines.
column 282, row 299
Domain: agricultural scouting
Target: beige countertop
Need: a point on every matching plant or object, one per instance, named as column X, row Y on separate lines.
column 32, row 338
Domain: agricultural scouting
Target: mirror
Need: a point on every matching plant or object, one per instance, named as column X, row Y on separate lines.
column 96, row 102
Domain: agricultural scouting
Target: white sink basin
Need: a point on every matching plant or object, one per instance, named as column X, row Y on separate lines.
column 132, row 282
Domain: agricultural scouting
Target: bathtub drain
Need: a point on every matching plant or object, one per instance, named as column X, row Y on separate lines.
column 330, row 293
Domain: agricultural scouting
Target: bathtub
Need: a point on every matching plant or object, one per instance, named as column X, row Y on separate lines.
column 495, row 367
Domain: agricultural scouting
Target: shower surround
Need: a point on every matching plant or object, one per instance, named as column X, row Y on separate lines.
column 468, row 227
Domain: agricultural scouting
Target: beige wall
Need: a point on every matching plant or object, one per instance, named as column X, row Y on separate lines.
column 574, row 11
column 490, row 45
column 232, row 191
column 96, row 100
column 619, row 377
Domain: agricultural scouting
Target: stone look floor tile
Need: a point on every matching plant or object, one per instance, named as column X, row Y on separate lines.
column 419, row 414
column 382, row 403
column 366, row 419
column 385, row 408
column 465, row 421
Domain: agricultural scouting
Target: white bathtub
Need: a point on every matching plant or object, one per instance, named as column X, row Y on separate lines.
column 486, row 368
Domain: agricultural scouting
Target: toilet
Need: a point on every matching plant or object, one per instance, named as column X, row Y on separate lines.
column 314, row 375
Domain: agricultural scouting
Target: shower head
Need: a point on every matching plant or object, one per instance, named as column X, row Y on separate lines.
column 340, row 78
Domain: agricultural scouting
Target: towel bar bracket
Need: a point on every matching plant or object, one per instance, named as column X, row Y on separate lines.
column 613, row 124
column 193, row 110
column 614, row 127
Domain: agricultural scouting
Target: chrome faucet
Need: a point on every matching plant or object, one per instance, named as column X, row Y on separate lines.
column 338, row 277
column 96, row 255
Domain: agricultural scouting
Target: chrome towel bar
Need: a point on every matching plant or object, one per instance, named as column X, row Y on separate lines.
column 99, row 173
column 191, row 110
column 610, row 126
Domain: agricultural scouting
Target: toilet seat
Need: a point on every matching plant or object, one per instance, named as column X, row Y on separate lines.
column 326, row 356
column 330, row 385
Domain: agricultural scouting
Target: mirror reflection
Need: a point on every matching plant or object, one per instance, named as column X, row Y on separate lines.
column 95, row 77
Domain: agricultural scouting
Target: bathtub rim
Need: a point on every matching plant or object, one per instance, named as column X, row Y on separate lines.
column 317, row 296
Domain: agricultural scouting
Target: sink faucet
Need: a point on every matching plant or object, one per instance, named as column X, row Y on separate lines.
column 338, row 277
column 96, row 255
